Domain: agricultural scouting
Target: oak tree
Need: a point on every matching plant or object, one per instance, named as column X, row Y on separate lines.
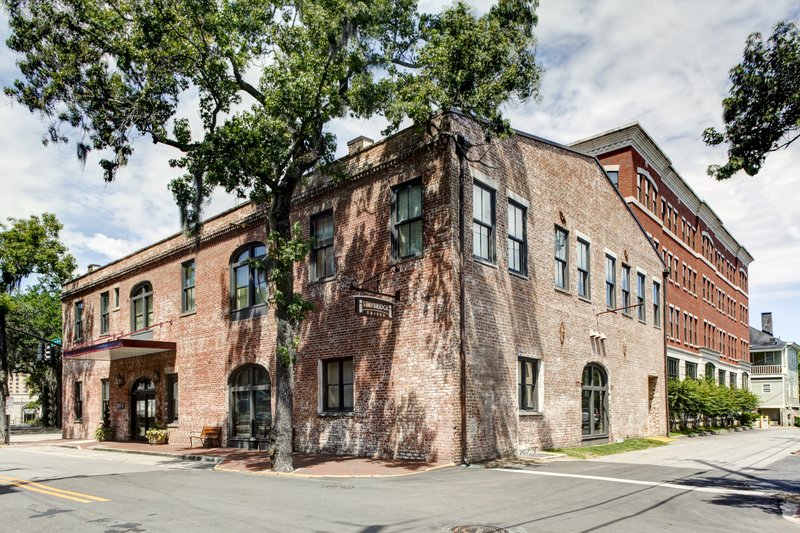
column 246, row 91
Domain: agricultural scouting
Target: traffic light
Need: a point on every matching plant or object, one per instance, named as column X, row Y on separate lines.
column 48, row 351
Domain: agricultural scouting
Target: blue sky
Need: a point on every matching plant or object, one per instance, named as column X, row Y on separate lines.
column 662, row 63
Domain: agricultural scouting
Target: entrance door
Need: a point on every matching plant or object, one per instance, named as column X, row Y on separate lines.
column 594, row 402
column 143, row 408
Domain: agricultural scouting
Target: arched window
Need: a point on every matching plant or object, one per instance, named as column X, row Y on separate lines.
column 142, row 306
column 710, row 372
column 594, row 402
column 248, row 284
column 745, row 381
column 250, row 413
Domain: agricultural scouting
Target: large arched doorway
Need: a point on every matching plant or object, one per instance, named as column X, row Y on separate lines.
column 143, row 408
column 250, row 412
column 594, row 402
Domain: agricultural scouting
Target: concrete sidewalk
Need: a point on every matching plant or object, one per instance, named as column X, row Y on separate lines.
column 257, row 462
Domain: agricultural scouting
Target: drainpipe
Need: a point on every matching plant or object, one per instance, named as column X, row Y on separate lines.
column 664, row 277
column 461, row 142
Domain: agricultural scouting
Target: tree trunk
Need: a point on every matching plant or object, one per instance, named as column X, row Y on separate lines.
column 5, row 436
column 283, row 426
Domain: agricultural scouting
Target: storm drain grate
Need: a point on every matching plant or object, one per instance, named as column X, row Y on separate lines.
column 478, row 529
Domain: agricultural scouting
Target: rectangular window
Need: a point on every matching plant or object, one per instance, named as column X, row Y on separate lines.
column 656, row 304
column 337, row 384
column 322, row 258
column 483, row 223
column 626, row 289
column 691, row 370
column 640, row 297
column 562, row 281
column 104, row 397
column 517, row 239
column 583, row 269
column 527, row 374
column 673, row 366
column 613, row 175
column 78, row 401
column 766, row 387
column 722, row 378
column 406, row 220
column 116, row 297
column 611, row 282
column 187, row 282
column 78, row 321
column 104, row 322
column 172, row 398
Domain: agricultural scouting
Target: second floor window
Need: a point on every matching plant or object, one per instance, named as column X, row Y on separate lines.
column 561, row 258
column 78, row 321
column 142, row 306
column 583, row 269
column 322, row 264
column 483, row 223
column 406, row 220
column 656, row 304
column 640, row 297
column 187, row 284
column 517, row 239
column 104, row 321
column 611, row 282
column 248, row 283
column 626, row 289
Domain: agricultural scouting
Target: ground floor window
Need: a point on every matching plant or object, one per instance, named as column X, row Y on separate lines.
column 250, row 413
column 594, row 401
column 673, row 366
column 691, row 370
column 172, row 398
column 78, row 401
column 337, row 384
column 527, row 376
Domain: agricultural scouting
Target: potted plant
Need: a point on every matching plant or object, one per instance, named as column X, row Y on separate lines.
column 158, row 434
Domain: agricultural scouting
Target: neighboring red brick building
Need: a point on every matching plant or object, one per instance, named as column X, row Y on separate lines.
column 707, row 303
column 499, row 350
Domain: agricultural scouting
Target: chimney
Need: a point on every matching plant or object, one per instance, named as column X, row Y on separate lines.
column 766, row 323
column 93, row 267
column 358, row 144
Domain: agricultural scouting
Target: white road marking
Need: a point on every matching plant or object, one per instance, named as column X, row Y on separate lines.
column 677, row 486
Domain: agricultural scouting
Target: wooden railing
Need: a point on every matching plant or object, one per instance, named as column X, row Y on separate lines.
column 767, row 369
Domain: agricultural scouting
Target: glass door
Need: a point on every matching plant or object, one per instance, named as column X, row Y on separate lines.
column 143, row 405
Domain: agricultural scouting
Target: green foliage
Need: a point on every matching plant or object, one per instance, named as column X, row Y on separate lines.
column 31, row 246
column 698, row 399
column 762, row 113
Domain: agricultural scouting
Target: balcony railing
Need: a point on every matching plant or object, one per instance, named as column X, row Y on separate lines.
column 767, row 369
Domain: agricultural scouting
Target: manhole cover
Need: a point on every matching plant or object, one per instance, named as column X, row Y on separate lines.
column 478, row 529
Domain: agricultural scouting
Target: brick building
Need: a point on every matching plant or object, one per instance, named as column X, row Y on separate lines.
column 503, row 273
column 707, row 305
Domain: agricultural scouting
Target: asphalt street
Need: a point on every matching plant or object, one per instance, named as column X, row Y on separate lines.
column 716, row 483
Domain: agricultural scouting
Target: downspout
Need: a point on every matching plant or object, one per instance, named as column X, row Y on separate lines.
column 462, row 356
column 664, row 276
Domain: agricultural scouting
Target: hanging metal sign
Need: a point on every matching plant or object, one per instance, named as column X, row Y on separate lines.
column 374, row 307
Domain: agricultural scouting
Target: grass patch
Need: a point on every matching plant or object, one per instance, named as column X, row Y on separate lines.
column 586, row 452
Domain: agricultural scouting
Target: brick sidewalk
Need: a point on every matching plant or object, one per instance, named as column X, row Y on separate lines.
column 257, row 462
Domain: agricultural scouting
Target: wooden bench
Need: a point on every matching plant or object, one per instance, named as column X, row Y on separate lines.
column 207, row 436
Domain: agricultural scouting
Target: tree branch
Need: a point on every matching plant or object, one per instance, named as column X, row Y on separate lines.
column 244, row 85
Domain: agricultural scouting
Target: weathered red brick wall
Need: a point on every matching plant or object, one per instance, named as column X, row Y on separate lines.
column 510, row 316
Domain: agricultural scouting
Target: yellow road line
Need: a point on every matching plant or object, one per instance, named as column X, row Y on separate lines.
column 51, row 491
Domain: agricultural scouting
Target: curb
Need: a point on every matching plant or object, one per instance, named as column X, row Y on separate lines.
column 329, row 476
column 187, row 457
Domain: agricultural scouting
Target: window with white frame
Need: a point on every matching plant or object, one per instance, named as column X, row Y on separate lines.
column 640, row 296
column 517, row 239
column 583, row 269
column 611, row 282
column 483, row 222
column 527, row 377
column 626, row 289
column 561, row 258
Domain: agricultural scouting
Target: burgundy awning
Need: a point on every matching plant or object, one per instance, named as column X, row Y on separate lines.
column 119, row 349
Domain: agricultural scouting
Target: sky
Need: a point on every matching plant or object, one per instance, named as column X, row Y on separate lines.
column 662, row 63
